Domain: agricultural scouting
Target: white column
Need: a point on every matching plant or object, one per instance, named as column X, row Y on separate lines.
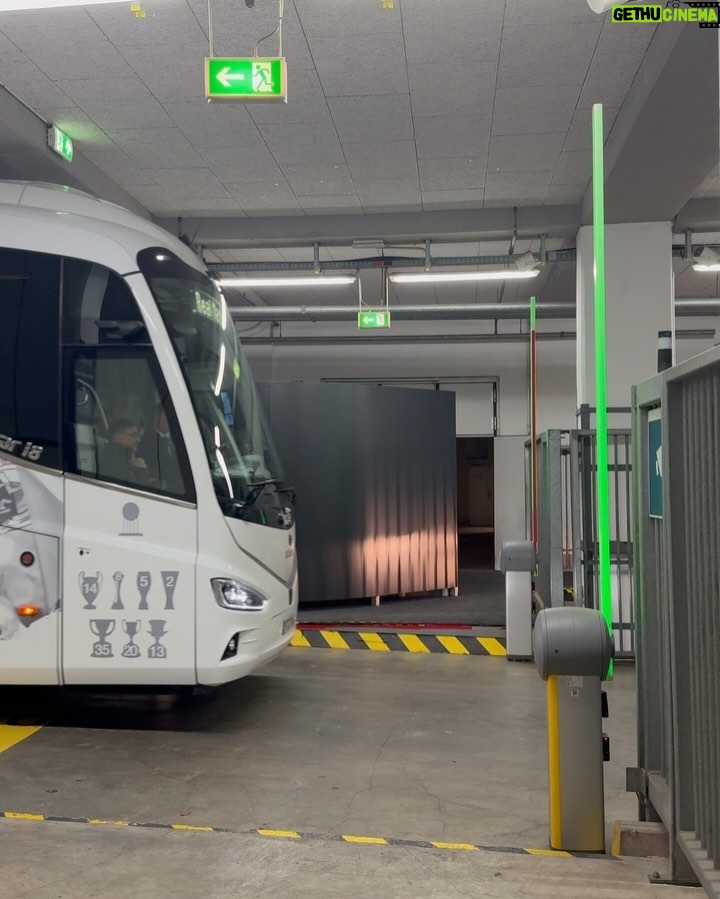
column 638, row 304
column 638, row 300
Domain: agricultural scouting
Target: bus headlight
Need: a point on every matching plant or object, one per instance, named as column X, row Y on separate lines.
column 235, row 595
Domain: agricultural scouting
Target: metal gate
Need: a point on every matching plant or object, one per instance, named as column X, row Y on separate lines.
column 567, row 553
column 676, row 435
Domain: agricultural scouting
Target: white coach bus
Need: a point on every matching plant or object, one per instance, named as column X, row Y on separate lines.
column 146, row 535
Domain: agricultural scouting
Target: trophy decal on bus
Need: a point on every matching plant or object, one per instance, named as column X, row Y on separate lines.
column 143, row 582
column 102, row 628
column 131, row 650
column 131, row 520
column 169, row 579
column 118, row 578
column 157, row 631
column 90, row 588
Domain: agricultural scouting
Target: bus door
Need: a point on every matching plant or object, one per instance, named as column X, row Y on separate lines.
column 129, row 587
column 130, row 537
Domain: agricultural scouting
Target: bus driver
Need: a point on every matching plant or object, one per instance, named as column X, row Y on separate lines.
column 118, row 460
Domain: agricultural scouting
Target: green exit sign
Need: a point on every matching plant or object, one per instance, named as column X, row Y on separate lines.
column 60, row 143
column 246, row 79
column 374, row 319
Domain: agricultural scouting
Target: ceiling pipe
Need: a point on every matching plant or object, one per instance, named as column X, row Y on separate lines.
column 386, row 340
column 490, row 337
column 441, row 311
column 218, row 268
column 569, row 255
column 403, row 313
column 700, row 306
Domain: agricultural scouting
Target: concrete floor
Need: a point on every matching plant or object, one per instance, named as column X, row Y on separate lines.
column 324, row 743
column 481, row 602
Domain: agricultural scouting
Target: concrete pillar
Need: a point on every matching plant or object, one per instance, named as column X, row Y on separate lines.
column 638, row 297
column 638, row 301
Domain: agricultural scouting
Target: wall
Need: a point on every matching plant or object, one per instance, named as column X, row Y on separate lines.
column 638, row 282
column 506, row 361
column 509, row 491
column 687, row 347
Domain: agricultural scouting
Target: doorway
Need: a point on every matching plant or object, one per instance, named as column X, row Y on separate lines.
column 476, row 502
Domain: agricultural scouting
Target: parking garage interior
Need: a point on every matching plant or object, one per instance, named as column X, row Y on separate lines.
column 392, row 746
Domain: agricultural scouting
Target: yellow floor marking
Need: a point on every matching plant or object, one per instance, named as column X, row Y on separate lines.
column 24, row 816
column 413, row 643
column 377, row 840
column 11, row 734
column 333, row 639
column 299, row 639
column 617, row 839
column 493, row 646
column 104, row 821
column 287, row 834
column 295, row 835
column 467, row 846
column 374, row 641
column 453, row 645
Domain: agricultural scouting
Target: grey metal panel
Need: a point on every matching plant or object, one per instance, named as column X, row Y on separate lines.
column 578, row 584
column 582, row 801
column 715, row 605
column 702, row 863
column 700, row 673
column 675, row 485
column 374, row 473
column 678, row 613
column 549, row 583
column 553, row 474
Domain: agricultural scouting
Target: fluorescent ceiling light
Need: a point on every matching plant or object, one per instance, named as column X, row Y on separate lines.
column 13, row 5
column 429, row 277
column 707, row 260
column 315, row 281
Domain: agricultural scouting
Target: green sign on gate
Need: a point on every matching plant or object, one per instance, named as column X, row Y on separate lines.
column 655, row 464
column 246, row 79
column 374, row 319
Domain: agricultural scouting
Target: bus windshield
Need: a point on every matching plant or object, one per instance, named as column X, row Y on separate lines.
column 239, row 448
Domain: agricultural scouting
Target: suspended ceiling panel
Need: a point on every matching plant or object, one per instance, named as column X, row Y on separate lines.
column 431, row 104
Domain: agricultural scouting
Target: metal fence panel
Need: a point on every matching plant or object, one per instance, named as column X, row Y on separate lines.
column 621, row 549
column 567, row 540
column 677, row 582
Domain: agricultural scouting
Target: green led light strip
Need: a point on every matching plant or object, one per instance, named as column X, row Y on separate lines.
column 533, row 423
column 601, row 427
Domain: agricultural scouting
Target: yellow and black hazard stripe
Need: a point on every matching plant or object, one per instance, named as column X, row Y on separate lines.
column 404, row 641
column 357, row 839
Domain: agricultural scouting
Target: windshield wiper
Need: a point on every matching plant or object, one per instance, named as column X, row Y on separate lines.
column 256, row 490
column 242, row 508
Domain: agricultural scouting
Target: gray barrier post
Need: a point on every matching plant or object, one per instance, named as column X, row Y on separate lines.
column 573, row 649
column 517, row 562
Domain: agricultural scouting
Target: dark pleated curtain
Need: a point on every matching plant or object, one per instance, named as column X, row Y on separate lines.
column 374, row 473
